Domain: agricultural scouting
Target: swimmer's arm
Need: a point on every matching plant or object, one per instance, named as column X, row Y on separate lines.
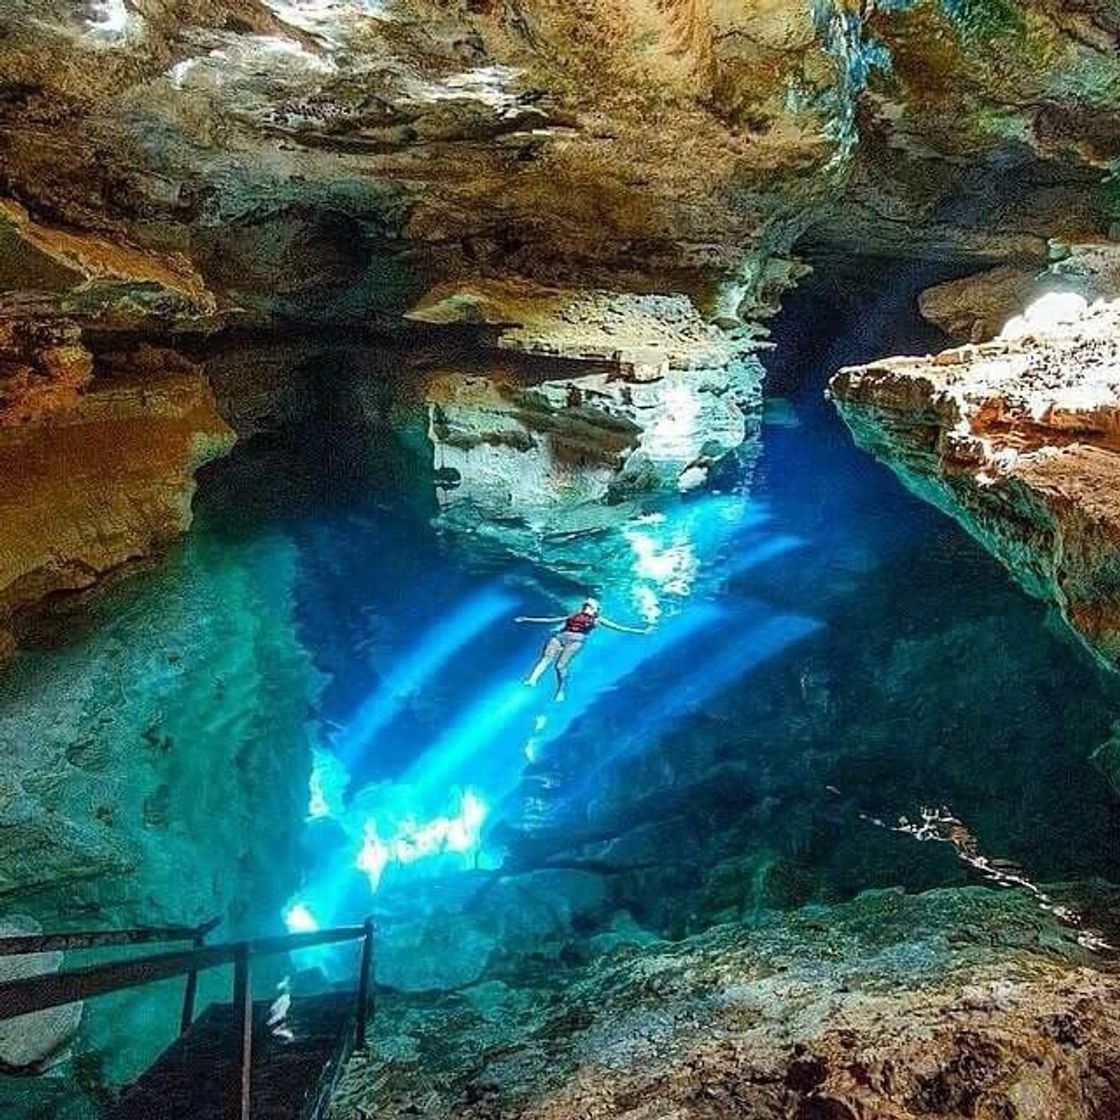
column 617, row 626
column 527, row 618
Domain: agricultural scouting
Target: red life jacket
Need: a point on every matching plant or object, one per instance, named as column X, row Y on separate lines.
column 582, row 622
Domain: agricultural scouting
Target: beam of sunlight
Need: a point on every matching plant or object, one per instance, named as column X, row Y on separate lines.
column 484, row 755
column 434, row 814
column 673, row 554
column 299, row 919
column 758, row 554
column 448, row 759
column 433, row 651
column 474, row 749
column 414, row 840
column 326, row 790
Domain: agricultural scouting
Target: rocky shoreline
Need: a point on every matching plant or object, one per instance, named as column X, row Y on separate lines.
column 954, row 1003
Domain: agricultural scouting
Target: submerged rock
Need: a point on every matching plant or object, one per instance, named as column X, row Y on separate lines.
column 1016, row 439
column 957, row 1002
column 438, row 935
column 181, row 712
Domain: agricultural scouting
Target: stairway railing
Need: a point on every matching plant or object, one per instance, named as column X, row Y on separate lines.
column 28, row 943
column 55, row 989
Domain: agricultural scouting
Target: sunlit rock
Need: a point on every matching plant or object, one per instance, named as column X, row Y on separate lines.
column 1017, row 439
column 537, row 460
column 977, row 308
column 640, row 334
column 668, row 147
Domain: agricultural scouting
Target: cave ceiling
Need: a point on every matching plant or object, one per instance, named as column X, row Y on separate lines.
column 214, row 162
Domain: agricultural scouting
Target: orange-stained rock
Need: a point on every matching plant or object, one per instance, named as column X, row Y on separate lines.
column 89, row 488
column 43, row 368
column 1019, row 440
column 95, row 257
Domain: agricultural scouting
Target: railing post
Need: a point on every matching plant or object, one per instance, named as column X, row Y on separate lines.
column 363, row 983
column 191, row 990
column 243, row 1025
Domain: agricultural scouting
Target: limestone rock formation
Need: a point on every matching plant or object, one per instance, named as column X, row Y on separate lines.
column 956, row 1003
column 607, row 143
column 629, row 400
column 177, row 167
column 975, row 308
column 1015, row 438
column 109, row 779
column 99, row 479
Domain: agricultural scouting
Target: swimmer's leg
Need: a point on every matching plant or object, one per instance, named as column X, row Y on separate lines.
column 562, row 663
column 552, row 650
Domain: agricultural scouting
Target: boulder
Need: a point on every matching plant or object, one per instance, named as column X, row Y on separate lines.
column 29, row 1042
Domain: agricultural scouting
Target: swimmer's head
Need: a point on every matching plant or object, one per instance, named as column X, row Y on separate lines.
column 591, row 606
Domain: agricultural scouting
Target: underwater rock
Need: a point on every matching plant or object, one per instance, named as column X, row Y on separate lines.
column 444, row 934
column 955, row 1002
column 104, row 480
column 29, row 1042
column 1016, row 439
column 112, row 810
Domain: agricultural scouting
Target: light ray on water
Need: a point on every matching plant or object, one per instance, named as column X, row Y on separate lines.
column 434, row 651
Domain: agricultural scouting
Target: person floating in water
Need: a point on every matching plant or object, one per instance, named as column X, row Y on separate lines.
column 566, row 642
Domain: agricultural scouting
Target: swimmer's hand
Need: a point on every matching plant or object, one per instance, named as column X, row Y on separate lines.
column 619, row 628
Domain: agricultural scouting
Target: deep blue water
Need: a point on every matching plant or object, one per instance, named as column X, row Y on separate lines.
column 844, row 648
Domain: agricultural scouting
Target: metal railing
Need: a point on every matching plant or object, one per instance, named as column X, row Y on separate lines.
column 55, row 989
column 25, row 944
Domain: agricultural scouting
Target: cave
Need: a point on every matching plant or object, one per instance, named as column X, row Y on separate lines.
column 559, row 560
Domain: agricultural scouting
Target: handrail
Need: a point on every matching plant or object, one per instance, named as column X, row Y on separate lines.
column 25, row 943
column 54, row 989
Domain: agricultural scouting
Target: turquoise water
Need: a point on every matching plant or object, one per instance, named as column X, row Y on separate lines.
column 838, row 648
column 312, row 709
